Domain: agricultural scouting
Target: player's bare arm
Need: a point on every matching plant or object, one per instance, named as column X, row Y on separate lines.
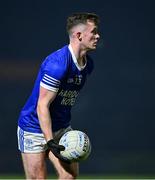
column 44, row 101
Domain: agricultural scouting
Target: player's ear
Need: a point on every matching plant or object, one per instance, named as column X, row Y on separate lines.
column 78, row 35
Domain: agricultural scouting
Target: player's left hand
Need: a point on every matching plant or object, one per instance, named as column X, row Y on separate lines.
column 56, row 148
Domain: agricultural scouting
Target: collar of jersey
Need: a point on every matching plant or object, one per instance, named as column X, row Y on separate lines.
column 80, row 68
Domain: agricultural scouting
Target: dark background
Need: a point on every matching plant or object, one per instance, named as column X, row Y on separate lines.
column 116, row 107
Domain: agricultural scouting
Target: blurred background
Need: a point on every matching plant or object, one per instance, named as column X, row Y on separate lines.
column 115, row 108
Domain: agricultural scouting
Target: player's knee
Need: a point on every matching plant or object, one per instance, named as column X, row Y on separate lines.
column 36, row 174
column 68, row 176
column 74, row 175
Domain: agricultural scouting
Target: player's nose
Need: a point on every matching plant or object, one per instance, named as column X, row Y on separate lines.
column 97, row 36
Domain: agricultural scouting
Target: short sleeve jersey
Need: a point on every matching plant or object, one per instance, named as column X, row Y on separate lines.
column 60, row 73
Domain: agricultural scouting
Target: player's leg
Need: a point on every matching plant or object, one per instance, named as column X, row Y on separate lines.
column 64, row 170
column 34, row 165
column 33, row 148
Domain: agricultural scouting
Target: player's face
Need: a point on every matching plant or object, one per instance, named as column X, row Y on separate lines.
column 90, row 36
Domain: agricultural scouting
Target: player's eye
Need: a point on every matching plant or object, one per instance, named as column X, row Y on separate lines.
column 94, row 31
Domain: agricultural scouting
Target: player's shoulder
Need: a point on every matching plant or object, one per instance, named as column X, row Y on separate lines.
column 60, row 53
column 57, row 59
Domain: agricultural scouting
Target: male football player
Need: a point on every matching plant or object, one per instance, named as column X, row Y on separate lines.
column 46, row 115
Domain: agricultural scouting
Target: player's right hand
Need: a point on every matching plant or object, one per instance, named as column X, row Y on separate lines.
column 55, row 148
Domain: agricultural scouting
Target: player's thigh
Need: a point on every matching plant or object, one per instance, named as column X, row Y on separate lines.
column 33, row 148
column 64, row 170
column 34, row 164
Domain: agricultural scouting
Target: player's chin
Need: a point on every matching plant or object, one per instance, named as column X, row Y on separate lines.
column 94, row 47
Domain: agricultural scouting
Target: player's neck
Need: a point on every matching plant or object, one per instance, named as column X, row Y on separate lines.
column 79, row 53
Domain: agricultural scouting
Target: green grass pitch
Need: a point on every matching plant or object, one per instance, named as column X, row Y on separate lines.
column 104, row 177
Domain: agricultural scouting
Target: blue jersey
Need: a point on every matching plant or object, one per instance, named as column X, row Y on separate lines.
column 60, row 73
